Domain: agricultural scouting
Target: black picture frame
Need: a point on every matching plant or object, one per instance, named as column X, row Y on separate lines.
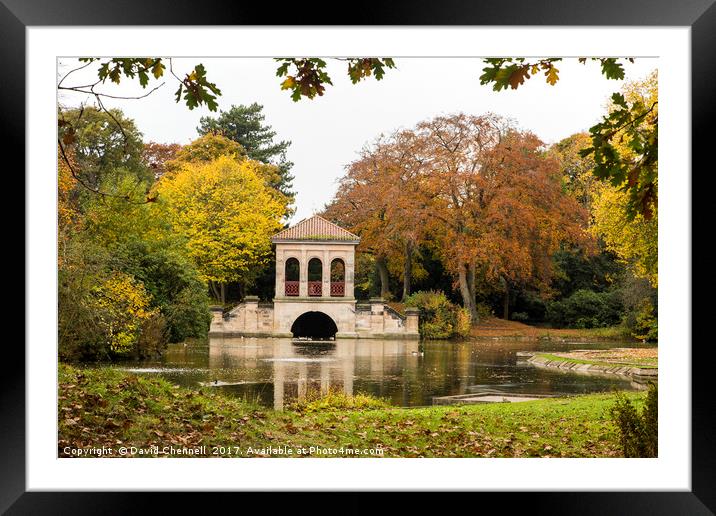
column 699, row 15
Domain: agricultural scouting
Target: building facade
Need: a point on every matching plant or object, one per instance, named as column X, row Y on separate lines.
column 314, row 293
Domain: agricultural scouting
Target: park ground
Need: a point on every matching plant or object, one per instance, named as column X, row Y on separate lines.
column 645, row 358
column 111, row 408
column 492, row 327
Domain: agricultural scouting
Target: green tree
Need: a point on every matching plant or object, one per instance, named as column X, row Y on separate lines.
column 141, row 243
column 102, row 141
column 172, row 281
column 246, row 126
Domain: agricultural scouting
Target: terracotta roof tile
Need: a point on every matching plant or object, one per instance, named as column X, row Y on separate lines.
column 315, row 228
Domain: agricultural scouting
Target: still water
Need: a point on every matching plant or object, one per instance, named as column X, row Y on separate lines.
column 274, row 371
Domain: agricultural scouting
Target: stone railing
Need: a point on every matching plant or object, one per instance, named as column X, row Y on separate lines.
column 338, row 288
column 291, row 288
column 315, row 288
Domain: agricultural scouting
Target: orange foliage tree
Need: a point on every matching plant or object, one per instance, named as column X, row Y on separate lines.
column 487, row 196
column 498, row 207
column 380, row 199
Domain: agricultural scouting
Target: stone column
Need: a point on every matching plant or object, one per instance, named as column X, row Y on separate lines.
column 252, row 309
column 303, row 276
column 280, row 272
column 326, row 288
column 377, row 308
column 217, row 319
column 349, row 273
column 412, row 318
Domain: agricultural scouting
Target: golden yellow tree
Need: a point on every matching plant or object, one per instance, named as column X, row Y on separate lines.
column 633, row 238
column 227, row 214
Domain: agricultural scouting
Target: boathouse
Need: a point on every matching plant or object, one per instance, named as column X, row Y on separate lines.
column 314, row 296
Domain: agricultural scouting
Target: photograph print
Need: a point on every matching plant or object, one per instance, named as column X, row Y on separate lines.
column 357, row 257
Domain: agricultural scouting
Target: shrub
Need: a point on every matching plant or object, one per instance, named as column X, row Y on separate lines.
column 173, row 283
column 334, row 399
column 646, row 326
column 638, row 429
column 520, row 316
column 439, row 318
column 462, row 323
column 123, row 307
column 103, row 314
column 152, row 338
column 640, row 301
column 530, row 305
column 586, row 309
column 484, row 311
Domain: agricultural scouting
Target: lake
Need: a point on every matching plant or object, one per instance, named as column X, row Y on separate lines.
column 273, row 371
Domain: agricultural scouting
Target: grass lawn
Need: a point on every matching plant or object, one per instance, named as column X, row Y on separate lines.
column 106, row 407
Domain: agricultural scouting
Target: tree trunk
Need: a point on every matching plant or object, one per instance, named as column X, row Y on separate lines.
column 407, row 269
column 223, row 293
column 382, row 265
column 471, row 272
column 215, row 291
column 506, row 299
column 467, row 290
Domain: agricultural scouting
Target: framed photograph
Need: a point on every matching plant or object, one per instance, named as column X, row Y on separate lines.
column 420, row 253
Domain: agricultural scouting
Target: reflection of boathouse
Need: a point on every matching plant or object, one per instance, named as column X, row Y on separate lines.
column 259, row 368
column 315, row 261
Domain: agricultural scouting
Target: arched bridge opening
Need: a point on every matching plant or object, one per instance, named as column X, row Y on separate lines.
column 314, row 326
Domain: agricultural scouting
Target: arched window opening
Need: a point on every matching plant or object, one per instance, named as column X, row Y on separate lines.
column 293, row 276
column 338, row 278
column 315, row 277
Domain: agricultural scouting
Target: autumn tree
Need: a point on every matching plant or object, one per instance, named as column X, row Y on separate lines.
column 358, row 207
column 483, row 194
column 577, row 170
column 227, row 214
column 631, row 167
column 204, row 149
column 69, row 215
column 246, row 126
column 497, row 207
column 380, row 199
column 156, row 155
column 632, row 235
column 211, row 146
column 634, row 241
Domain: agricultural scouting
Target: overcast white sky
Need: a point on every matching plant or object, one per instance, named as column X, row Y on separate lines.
column 327, row 132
